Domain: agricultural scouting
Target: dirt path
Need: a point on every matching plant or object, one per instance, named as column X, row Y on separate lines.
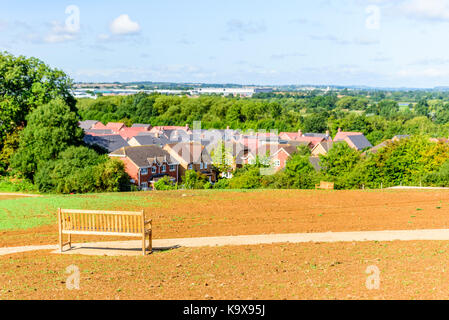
column 118, row 248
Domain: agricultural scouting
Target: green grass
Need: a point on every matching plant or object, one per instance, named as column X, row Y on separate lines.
column 24, row 213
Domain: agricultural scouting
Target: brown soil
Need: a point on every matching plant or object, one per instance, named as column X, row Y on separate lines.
column 184, row 214
column 408, row 270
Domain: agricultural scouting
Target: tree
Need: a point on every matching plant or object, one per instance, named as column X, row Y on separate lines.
column 316, row 122
column 338, row 163
column 299, row 171
column 26, row 83
column 51, row 128
column 222, row 158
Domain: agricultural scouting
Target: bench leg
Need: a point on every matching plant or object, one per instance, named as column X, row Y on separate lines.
column 70, row 241
column 143, row 245
column 150, row 242
column 60, row 241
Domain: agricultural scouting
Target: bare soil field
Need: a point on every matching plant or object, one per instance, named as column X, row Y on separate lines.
column 408, row 270
column 184, row 214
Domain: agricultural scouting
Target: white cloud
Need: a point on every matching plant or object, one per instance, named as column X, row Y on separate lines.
column 60, row 33
column 124, row 25
column 427, row 9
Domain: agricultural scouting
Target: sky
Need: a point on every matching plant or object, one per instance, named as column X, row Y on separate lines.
column 381, row 43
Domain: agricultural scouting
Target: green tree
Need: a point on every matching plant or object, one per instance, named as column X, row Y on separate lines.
column 26, row 83
column 51, row 128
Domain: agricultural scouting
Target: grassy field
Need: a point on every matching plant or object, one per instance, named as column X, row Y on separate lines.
column 178, row 214
column 409, row 270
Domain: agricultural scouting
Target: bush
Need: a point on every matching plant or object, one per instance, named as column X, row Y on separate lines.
column 165, row 184
column 82, row 170
column 222, row 184
column 16, row 185
column 194, row 180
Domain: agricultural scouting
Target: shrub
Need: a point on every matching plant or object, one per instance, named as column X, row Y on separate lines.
column 165, row 184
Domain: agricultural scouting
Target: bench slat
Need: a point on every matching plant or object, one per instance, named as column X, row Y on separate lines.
column 123, row 213
column 102, row 233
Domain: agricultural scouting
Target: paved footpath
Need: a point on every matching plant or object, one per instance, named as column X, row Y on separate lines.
column 117, row 248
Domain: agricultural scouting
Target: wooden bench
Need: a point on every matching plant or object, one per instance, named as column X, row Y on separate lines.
column 104, row 223
column 325, row 185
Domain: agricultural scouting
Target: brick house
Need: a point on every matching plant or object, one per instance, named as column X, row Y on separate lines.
column 279, row 159
column 147, row 164
column 192, row 156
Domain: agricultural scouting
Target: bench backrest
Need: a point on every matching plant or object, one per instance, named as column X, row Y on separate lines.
column 326, row 185
column 102, row 221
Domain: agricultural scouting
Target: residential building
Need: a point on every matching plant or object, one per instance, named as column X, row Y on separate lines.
column 192, row 156
column 358, row 142
column 87, row 124
column 147, row 164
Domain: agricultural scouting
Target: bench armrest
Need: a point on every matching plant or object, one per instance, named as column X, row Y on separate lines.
column 148, row 221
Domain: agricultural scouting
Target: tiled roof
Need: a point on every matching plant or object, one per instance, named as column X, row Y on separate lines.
column 87, row 124
column 191, row 152
column 359, row 141
column 342, row 135
column 108, row 142
column 145, row 156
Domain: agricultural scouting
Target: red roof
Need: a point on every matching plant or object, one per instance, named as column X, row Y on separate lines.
column 99, row 126
column 342, row 135
column 115, row 126
column 128, row 133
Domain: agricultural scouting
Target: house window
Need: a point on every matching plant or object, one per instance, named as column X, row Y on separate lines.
column 205, row 165
column 277, row 163
column 190, row 166
column 172, row 167
column 144, row 185
column 201, row 165
column 144, row 171
column 153, row 169
column 164, row 168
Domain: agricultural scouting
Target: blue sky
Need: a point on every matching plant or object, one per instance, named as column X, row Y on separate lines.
column 341, row 42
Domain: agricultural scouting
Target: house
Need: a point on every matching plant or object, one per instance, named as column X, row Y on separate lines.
column 148, row 139
column 147, row 164
column 87, row 124
column 376, row 148
column 341, row 135
column 358, row 142
column 128, row 133
column 99, row 126
column 192, row 156
column 322, row 148
column 162, row 129
column 108, row 142
column 99, row 132
column 279, row 159
column 115, row 126
column 142, row 125
column 233, row 155
column 312, row 138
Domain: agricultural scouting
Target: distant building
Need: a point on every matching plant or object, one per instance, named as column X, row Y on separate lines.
column 147, row 164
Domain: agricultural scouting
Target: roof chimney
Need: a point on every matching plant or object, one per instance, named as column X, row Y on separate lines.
column 339, row 129
column 227, row 128
column 187, row 126
column 300, row 132
column 328, row 133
